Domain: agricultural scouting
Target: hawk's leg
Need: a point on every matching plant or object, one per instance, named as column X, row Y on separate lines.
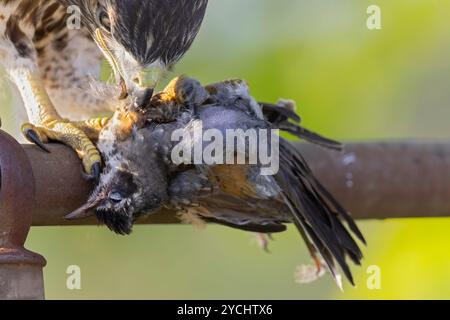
column 46, row 124
column 19, row 56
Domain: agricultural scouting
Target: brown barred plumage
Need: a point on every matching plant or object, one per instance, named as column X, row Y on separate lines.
column 68, row 59
column 35, row 30
column 52, row 64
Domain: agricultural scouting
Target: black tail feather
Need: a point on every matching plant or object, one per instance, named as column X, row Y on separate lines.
column 323, row 194
column 277, row 114
column 317, row 214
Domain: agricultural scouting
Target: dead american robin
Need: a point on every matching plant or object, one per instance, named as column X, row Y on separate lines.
column 141, row 175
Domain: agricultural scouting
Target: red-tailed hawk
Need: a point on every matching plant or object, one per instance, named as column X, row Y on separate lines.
column 52, row 63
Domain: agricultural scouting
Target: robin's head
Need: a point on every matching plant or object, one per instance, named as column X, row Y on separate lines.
column 137, row 152
column 134, row 183
column 142, row 38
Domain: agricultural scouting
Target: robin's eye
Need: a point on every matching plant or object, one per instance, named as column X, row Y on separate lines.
column 115, row 197
column 105, row 22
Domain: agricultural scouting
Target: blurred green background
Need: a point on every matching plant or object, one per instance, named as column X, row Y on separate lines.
column 351, row 84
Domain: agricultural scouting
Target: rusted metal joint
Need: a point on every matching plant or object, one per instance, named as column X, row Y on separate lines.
column 21, row 274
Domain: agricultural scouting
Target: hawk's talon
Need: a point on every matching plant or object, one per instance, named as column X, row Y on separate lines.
column 94, row 176
column 74, row 135
column 34, row 137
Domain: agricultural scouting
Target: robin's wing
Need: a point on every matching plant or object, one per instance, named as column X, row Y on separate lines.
column 282, row 117
column 238, row 212
column 316, row 213
column 249, row 226
column 240, row 203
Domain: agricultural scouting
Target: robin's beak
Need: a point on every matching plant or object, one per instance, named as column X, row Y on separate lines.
column 86, row 211
column 135, row 81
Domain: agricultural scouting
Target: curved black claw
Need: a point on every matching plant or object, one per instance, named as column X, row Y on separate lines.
column 32, row 136
column 96, row 170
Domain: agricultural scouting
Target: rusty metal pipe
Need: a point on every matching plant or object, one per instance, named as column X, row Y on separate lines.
column 373, row 180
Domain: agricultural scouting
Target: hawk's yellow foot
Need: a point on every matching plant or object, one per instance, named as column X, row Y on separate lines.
column 34, row 135
column 92, row 127
column 72, row 135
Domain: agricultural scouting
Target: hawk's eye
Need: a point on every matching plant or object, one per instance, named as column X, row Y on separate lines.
column 105, row 22
column 115, row 197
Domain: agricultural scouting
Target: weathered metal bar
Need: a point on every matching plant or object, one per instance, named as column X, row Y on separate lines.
column 373, row 180
column 20, row 270
column 388, row 179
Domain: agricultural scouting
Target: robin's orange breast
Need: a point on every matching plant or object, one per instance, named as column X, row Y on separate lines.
column 233, row 179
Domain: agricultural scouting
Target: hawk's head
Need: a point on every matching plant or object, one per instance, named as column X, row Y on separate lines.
column 142, row 38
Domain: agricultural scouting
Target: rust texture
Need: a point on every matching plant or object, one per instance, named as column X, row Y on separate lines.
column 387, row 180
column 20, row 270
column 373, row 180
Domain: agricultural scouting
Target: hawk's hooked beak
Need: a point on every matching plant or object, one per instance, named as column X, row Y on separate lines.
column 86, row 211
column 137, row 84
